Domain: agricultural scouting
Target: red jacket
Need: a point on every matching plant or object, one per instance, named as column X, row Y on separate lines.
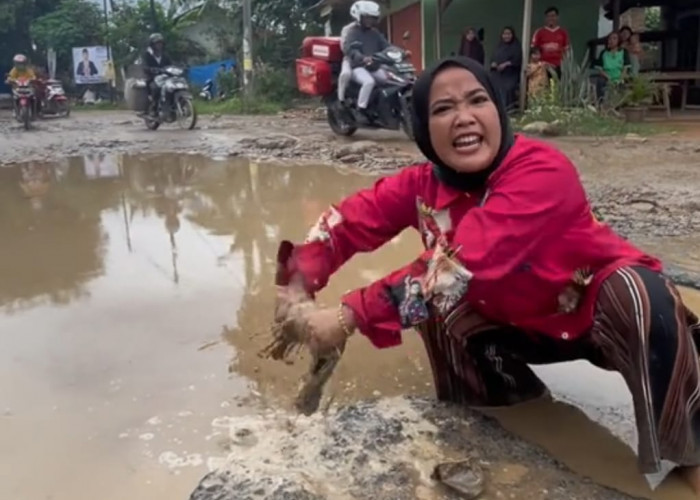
column 511, row 251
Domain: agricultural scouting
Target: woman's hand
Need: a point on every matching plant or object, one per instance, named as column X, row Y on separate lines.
column 326, row 332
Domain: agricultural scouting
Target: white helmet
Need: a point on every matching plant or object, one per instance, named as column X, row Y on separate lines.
column 364, row 8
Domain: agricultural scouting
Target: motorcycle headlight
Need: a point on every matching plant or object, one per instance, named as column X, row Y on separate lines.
column 394, row 55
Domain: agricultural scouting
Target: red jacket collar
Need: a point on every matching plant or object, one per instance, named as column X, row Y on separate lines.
column 447, row 195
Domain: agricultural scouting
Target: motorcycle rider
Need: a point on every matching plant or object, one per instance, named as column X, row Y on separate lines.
column 361, row 42
column 21, row 71
column 346, row 68
column 154, row 60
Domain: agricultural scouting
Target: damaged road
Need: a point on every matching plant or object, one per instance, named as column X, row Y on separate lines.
column 384, row 450
column 369, row 444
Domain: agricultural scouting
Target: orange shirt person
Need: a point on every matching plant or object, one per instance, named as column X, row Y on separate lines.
column 20, row 70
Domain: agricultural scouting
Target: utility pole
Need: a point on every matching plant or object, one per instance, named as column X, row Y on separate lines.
column 527, row 28
column 154, row 16
column 112, row 81
column 247, row 49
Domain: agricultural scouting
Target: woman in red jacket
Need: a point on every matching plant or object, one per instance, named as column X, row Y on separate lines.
column 516, row 270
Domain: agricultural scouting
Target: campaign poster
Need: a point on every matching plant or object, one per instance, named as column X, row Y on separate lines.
column 90, row 65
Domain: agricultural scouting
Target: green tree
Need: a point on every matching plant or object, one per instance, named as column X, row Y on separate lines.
column 652, row 18
column 74, row 23
column 131, row 24
column 15, row 19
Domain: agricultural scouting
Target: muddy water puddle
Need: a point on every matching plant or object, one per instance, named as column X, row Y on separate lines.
column 133, row 294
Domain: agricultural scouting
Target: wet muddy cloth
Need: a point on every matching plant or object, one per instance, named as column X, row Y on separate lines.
column 641, row 329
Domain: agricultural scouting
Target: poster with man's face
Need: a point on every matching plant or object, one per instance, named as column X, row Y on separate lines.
column 89, row 65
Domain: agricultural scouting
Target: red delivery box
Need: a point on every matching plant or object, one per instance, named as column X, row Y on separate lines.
column 314, row 76
column 326, row 48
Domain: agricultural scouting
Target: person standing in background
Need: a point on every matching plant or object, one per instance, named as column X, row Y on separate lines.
column 506, row 62
column 552, row 40
column 625, row 35
column 537, row 75
column 346, row 68
column 471, row 47
column 636, row 52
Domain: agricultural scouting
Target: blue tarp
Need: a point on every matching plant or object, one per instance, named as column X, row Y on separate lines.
column 198, row 75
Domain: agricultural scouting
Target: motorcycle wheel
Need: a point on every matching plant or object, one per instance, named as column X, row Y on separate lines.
column 186, row 113
column 340, row 122
column 151, row 124
column 64, row 109
column 407, row 126
column 406, row 121
column 26, row 117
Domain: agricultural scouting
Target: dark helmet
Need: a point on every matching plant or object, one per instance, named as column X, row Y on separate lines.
column 155, row 38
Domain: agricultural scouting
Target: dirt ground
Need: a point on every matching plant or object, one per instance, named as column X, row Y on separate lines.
column 647, row 188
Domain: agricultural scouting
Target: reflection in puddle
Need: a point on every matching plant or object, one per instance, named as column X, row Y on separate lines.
column 119, row 277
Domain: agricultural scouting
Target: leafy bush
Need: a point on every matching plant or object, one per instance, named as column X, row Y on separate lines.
column 641, row 90
column 228, row 83
column 239, row 106
column 275, row 84
column 574, row 88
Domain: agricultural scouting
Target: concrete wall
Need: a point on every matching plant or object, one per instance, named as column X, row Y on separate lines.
column 579, row 17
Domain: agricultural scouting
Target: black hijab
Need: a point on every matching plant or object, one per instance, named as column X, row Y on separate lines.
column 474, row 49
column 509, row 51
column 421, row 113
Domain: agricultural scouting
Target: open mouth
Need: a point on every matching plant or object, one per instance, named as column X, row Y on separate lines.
column 467, row 143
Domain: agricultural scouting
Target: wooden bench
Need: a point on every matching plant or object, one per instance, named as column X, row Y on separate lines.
column 665, row 104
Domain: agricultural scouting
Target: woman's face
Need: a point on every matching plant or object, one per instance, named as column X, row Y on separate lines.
column 507, row 36
column 625, row 35
column 471, row 35
column 613, row 41
column 464, row 126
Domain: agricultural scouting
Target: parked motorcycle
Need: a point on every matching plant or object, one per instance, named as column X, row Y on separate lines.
column 24, row 99
column 175, row 103
column 390, row 103
column 55, row 100
column 207, row 91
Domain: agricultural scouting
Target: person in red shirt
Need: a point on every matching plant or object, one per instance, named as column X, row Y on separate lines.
column 552, row 40
column 516, row 270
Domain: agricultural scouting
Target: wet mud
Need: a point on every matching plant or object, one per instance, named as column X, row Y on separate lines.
column 136, row 289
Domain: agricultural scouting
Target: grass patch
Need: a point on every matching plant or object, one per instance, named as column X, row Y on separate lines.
column 585, row 121
column 238, row 106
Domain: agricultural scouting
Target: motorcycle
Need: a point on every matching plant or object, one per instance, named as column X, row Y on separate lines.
column 175, row 103
column 55, row 99
column 24, row 97
column 390, row 103
column 207, row 90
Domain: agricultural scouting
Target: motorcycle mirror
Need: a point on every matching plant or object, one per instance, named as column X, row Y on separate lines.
column 406, row 35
